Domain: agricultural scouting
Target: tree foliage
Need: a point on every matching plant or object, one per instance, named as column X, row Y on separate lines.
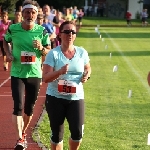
column 60, row 3
column 8, row 4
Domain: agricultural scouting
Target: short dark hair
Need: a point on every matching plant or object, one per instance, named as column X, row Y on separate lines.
column 46, row 5
column 17, row 11
column 64, row 23
column 45, row 17
column 4, row 13
column 40, row 16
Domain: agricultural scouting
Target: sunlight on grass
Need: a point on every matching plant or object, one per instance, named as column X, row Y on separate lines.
column 112, row 120
column 108, row 21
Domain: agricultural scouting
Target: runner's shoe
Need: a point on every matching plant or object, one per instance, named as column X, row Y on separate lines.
column 25, row 140
column 19, row 145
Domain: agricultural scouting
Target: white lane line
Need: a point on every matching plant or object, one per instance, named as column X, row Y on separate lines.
column 4, row 82
column 128, row 62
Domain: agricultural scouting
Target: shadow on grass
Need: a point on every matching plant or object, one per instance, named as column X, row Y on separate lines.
column 124, row 53
column 87, row 35
column 114, row 35
column 136, row 146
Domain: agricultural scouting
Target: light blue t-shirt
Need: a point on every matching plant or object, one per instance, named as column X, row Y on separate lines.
column 56, row 59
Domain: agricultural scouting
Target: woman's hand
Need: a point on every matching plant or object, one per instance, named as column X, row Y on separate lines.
column 64, row 69
column 87, row 73
column 85, row 77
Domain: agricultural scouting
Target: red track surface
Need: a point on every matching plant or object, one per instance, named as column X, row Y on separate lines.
column 7, row 134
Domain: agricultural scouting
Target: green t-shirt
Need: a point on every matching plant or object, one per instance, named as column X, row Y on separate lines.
column 27, row 59
column 69, row 17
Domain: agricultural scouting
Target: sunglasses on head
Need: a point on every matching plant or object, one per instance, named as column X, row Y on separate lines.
column 68, row 31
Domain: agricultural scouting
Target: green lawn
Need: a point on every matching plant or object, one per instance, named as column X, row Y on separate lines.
column 108, row 21
column 112, row 120
column 101, row 21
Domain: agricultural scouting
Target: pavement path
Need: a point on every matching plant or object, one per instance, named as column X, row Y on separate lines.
column 7, row 134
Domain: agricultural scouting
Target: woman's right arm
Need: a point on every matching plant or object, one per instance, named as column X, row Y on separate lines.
column 50, row 75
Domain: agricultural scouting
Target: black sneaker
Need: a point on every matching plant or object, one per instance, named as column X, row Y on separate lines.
column 19, row 145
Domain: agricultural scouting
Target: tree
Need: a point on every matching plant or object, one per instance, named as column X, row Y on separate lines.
column 60, row 3
column 8, row 4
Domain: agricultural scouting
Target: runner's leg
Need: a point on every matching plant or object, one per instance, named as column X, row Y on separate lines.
column 17, row 87
column 32, row 87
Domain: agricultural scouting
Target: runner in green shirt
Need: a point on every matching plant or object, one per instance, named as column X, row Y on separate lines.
column 29, row 42
column 27, row 59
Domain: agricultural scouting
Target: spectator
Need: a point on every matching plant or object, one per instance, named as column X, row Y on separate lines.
column 88, row 12
column 146, row 11
column 128, row 18
column 104, row 9
column 101, row 10
column 98, row 11
column 144, row 17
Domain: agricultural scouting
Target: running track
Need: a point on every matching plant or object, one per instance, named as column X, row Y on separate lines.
column 7, row 134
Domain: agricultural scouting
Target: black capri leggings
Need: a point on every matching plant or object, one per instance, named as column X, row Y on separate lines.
column 58, row 109
column 28, row 86
column 2, row 49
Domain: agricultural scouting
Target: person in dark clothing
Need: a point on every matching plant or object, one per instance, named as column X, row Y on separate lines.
column 128, row 18
column 88, row 12
column 98, row 11
column 101, row 10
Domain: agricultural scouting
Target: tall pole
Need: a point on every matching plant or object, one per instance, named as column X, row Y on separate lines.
column 86, row 2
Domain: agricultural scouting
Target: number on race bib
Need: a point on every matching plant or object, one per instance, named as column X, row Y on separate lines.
column 28, row 57
column 66, row 87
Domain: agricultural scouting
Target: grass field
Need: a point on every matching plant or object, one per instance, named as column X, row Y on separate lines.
column 112, row 120
column 101, row 20
column 108, row 21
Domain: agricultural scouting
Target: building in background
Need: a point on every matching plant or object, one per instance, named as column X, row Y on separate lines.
column 146, row 5
column 117, row 8
column 135, row 7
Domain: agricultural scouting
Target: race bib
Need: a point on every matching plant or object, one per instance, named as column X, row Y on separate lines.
column 66, row 87
column 28, row 57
